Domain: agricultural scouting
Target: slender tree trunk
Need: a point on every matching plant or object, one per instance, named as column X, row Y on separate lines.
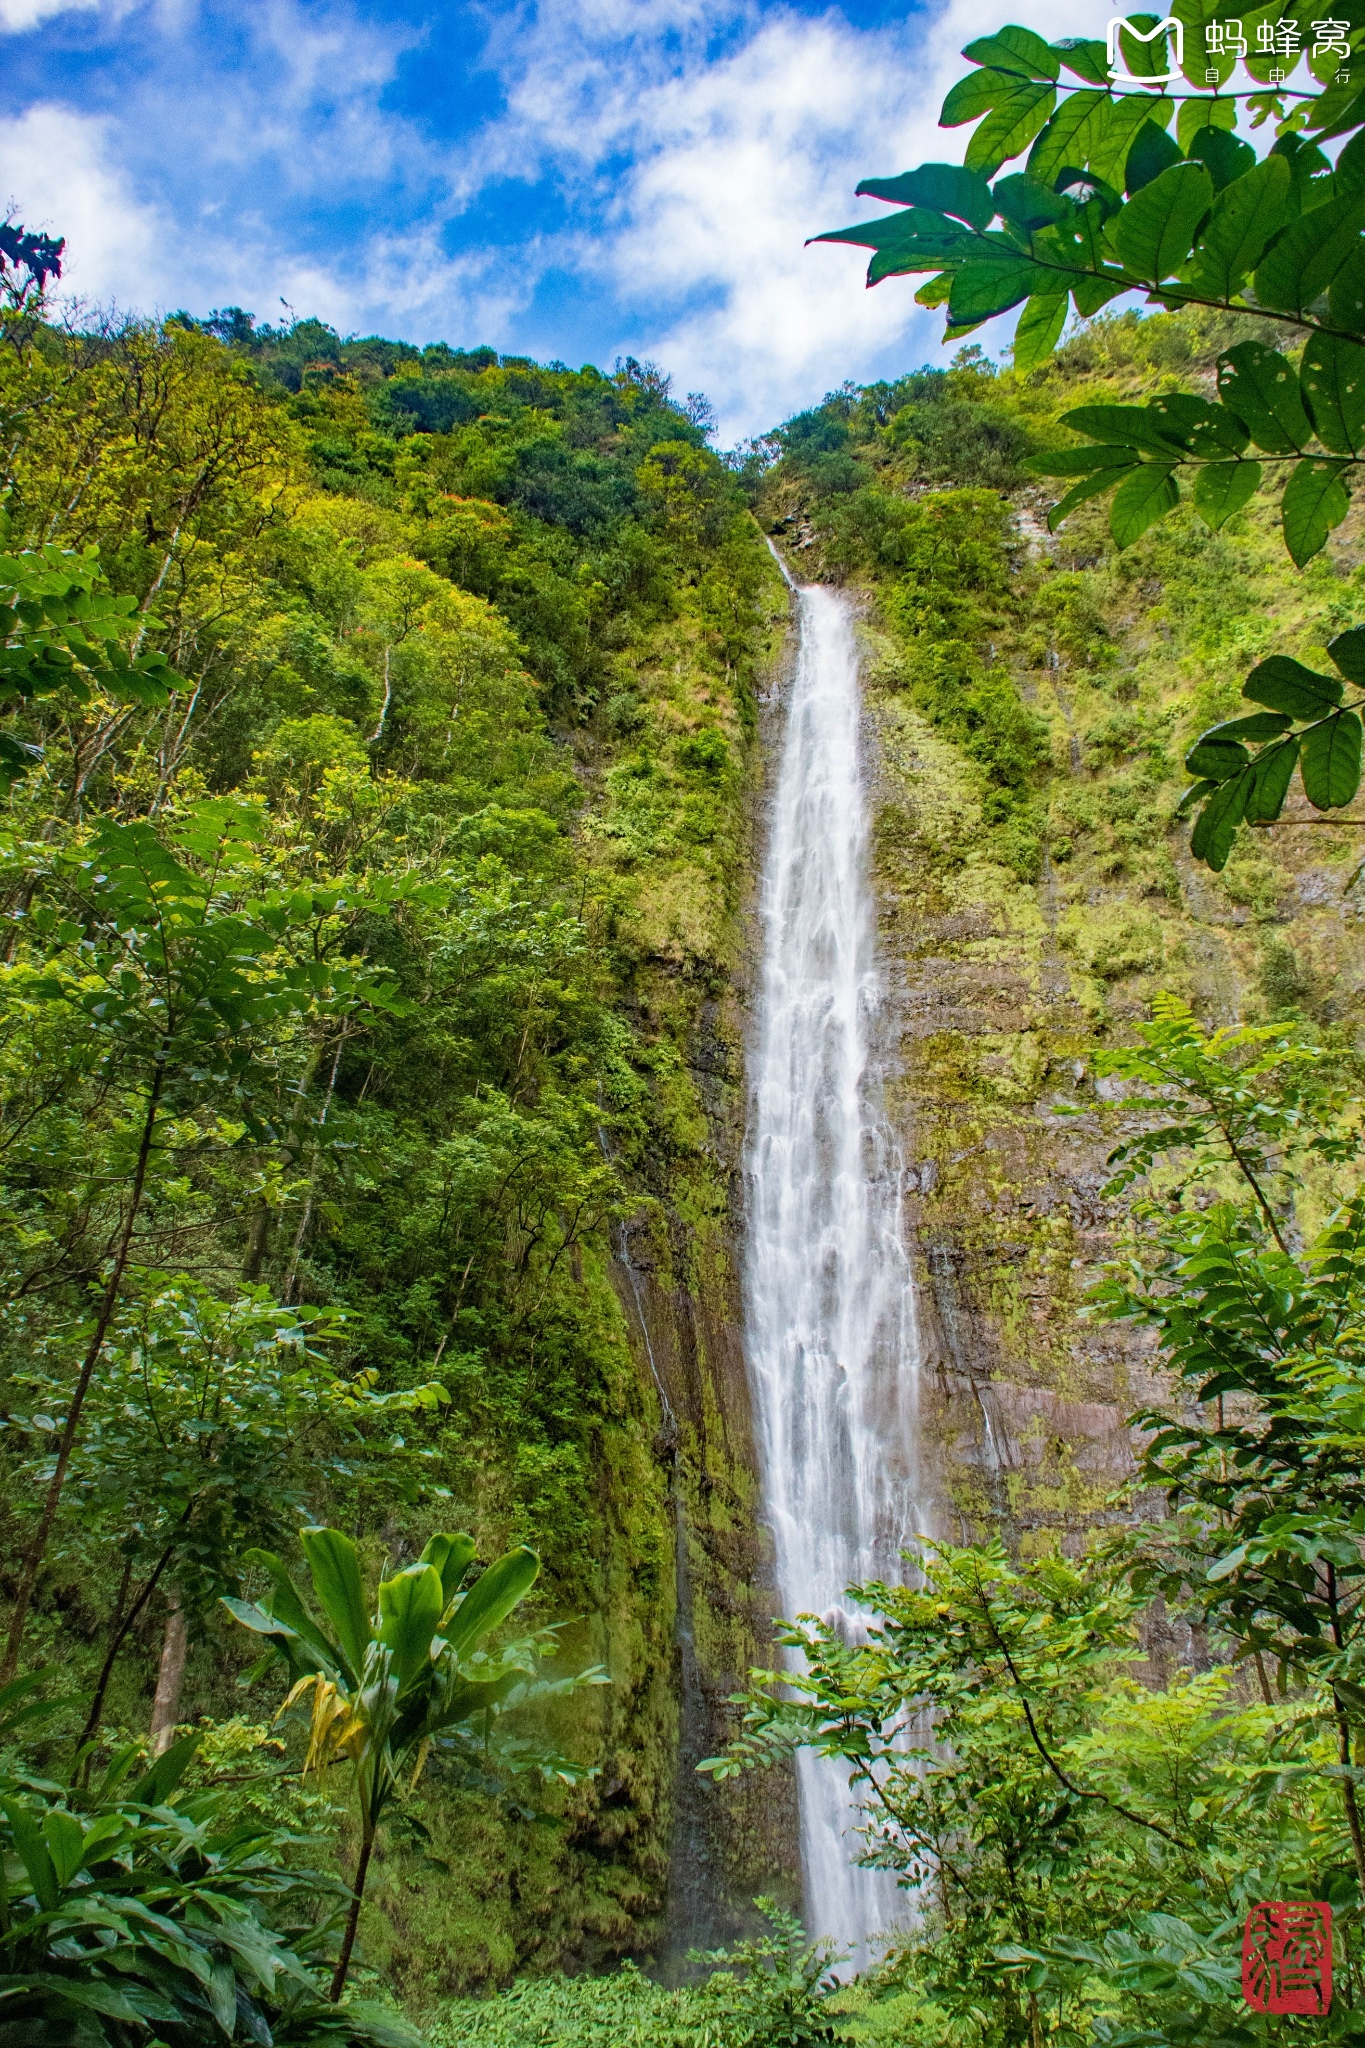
column 306, row 1218
column 170, row 1680
column 92, row 1719
column 1348, row 1794
column 33, row 1563
column 362, row 1871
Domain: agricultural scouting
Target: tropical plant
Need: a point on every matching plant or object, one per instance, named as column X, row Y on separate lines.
column 1038, row 1803
column 184, row 969
column 1109, row 201
column 391, row 1682
column 1307, row 723
column 62, row 629
column 1262, row 1462
column 205, row 1432
column 772, row 1991
column 135, row 1907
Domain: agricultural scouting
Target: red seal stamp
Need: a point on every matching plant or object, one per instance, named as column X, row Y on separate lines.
column 1287, row 1957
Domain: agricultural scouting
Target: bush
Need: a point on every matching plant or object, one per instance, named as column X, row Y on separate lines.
column 773, row 1992
column 138, row 1908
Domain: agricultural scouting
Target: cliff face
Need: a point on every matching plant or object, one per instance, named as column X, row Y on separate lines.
column 1023, row 1406
column 678, row 1274
column 1028, row 702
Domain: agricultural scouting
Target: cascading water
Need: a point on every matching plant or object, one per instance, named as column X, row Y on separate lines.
column 831, row 1337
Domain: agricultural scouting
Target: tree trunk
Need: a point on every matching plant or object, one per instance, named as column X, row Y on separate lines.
column 33, row 1563
column 170, row 1681
column 352, row 1918
column 1348, row 1795
column 123, row 1624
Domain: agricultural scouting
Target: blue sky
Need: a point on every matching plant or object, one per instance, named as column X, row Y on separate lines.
column 578, row 179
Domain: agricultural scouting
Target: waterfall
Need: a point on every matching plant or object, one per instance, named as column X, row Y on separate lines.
column 830, row 1311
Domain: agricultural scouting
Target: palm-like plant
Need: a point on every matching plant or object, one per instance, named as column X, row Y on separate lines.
column 386, row 1685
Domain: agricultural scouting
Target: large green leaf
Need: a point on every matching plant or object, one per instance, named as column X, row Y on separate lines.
column 1027, row 203
column 1315, row 500
column 1082, row 461
column 1329, row 761
column 1089, row 487
column 452, row 1556
column 1284, row 684
column 1257, row 725
column 1085, row 58
column 1153, row 151
column 991, row 284
column 284, row 1603
column 1214, row 760
column 1225, row 157
column 28, row 1840
column 1155, row 232
column 1346, row 298
column 1307, row 257
column 64, row 1838
column 1009, row 127
column 1222, row 488
column 1244, row 218
column 1015, row 49
column 1128, row 426
column 944, row 188
column 222, row 1996
column 410, row 1608
column 1146, row 494
column 1203, row 112
column 1072, row 135
column 1348, row 654
column 1272, row 773
column 1039, row 329
column 975, row 95
column 1193, row 423
column 1332, row 380
column 1216, row 826
column 165, row 1774
column 916, row 231
column 335, row 1567
column 1123, row 118
column 491, row 1599
column 1259, row 385
column 1090, row 294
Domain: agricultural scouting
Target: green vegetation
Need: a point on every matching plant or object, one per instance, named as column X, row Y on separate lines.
column 774, row 1991
column 1087, row 1843
column 386, row 1687
column 379, row 751
column 1199, row 222
column 378, row 729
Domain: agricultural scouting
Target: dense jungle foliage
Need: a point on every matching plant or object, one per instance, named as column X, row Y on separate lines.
column 385, row 718
column 376, row 850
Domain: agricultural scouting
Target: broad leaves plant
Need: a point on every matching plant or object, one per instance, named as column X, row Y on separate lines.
column 1110, row 201
column 62, row 631
column 1245, row 766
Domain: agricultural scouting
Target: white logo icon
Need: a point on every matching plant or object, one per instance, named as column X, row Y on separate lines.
column 1170, row 26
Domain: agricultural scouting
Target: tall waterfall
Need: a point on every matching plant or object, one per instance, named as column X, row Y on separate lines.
column 830, row 1312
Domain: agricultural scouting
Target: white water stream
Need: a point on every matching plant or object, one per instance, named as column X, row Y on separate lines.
column 831, row 1336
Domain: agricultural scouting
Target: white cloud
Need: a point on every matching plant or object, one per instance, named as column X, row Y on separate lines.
column 60, row 170
column 693, row 145
column 18, row 15
column 728, row 162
